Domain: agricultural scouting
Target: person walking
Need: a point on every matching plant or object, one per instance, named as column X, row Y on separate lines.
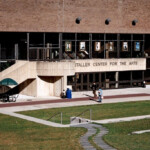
column 94, row 87
column 100, row 95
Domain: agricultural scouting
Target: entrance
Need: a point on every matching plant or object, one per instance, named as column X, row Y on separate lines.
column 83, row 81
column 105, row 80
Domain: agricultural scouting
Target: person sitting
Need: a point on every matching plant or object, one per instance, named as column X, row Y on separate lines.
column 63, row 94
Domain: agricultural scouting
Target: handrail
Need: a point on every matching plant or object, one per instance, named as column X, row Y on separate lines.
column 56, row 115
column 82, row 113
column 43, row 48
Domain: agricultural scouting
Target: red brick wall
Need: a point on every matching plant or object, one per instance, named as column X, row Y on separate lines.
column 60, row 15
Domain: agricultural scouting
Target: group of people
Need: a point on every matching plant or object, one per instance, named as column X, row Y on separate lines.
column 100, row 92
column 94, row 89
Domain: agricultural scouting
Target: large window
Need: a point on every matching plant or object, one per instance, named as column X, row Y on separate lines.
column 68, row 46
column 44, row 46
column 57, row 46
column 13, row 45
column 105, row 80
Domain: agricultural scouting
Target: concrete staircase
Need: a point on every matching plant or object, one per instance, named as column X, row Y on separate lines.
column 40, row 78
column 20, row 71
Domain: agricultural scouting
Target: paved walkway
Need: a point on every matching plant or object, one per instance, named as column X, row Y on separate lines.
column 141, row 132
column 116, row 120
column 33, row 119
column 79, row 98
column 98, row 140
column 43, row 104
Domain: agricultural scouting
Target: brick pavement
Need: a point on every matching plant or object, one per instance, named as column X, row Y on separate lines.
column 88, row 98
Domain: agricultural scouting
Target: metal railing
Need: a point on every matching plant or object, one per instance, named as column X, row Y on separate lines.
column 90, row 110
column 59, row 113
column 43, row 53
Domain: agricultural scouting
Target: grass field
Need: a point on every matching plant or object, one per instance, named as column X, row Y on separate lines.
column 18, row 134
column 121, row 138
column 104, row 111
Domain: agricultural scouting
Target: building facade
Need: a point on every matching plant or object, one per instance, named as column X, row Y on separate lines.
column 50, row 45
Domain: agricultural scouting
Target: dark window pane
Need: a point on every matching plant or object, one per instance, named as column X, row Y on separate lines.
column 84, row 78
column 97, row 77
column 85, row 87
column 91, row 77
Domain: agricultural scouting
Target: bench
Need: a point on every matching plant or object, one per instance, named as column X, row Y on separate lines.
column 8, row 98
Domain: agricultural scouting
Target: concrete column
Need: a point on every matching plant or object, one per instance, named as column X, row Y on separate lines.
column 57, row 86
column 45, row 86
column 116, row 79
column 64, row 82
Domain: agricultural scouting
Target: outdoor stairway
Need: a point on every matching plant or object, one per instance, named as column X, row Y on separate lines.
column 20, row 71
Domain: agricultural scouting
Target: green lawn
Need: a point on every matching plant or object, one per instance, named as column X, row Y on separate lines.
column 121, row 138
column 18, row 134
column 104, row 111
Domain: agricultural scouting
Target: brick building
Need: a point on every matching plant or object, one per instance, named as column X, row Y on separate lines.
column 50, row 45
